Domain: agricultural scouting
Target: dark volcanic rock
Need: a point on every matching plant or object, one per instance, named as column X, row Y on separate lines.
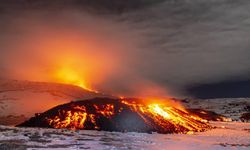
column 115, row 115
column 208, row 115
column 245, row 117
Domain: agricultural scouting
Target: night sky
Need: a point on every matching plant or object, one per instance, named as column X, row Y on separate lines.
column 184, row 48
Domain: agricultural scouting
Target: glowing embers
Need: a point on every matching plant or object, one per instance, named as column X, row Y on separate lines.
column 71, row 120
column 106, row 110
column 77, row 116
column 119, row 115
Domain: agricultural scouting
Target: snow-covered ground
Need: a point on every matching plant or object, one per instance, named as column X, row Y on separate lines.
column 229, row 107
column 226, row 136
column 20, row 100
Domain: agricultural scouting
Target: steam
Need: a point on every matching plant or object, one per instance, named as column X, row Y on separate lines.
column 152, row 51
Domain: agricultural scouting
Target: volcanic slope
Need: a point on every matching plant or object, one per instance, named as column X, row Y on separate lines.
column 119, row 115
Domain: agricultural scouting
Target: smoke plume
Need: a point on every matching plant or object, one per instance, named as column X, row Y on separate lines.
column 146, row 48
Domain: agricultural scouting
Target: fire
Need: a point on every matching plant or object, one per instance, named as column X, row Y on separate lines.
column 68, row 75
column 76, row 119
column 157, row 117
column 163, row 114
column 155, row 108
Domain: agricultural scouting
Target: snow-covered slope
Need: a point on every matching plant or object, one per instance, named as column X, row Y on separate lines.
column 22, row 99
column 229, row 107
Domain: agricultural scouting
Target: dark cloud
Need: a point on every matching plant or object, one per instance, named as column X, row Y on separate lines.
column 233, row 88
column 194, row 41
column 99, row 6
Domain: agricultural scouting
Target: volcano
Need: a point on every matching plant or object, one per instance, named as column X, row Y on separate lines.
column 124, row 115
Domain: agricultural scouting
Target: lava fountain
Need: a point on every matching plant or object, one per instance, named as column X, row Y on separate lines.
column 125, row 115
column 68, row 75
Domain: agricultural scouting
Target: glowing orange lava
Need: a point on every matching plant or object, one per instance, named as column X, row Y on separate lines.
column 68, row 75
column 158, row 117
column 162, row 115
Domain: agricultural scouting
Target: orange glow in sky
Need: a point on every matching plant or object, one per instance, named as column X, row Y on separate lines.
column 68, row 75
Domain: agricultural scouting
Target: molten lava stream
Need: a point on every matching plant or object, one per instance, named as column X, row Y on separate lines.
column 119, row 115
column 162, row 115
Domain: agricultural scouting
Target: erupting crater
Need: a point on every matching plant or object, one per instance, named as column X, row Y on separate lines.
column 125, row 115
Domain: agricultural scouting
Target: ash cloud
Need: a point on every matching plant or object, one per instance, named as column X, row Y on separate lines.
column 159, row 47
column 193, row 42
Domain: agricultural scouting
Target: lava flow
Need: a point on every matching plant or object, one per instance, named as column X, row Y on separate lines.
column 119, row 115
